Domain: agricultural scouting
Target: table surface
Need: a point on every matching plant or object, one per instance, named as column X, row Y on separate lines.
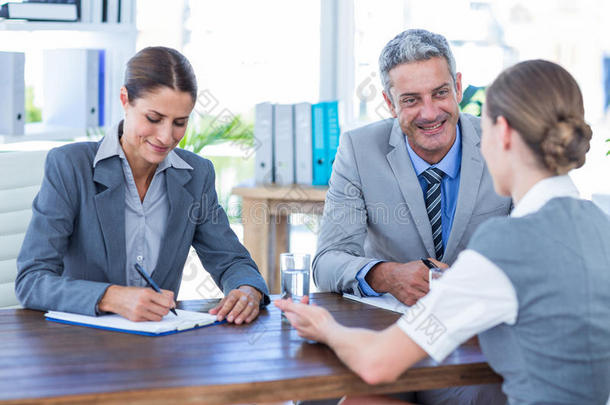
column 47, row 362
column 294, row 192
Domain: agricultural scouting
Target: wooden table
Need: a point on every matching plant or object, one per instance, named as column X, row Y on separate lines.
column 47, row 362
column 265, row 214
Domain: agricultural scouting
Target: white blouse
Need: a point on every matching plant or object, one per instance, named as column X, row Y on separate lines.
column 474, row 294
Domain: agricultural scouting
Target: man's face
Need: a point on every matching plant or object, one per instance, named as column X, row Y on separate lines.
column 426, row 103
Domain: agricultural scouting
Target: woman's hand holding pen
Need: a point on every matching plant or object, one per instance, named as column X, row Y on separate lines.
column 137, row 303
column 239, row 306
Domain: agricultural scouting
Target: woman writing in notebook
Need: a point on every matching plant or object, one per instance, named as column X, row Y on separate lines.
column 535, row 286
column 134, row 198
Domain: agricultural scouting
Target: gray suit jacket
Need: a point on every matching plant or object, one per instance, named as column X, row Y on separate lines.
column 375, row 206
column 74, row 248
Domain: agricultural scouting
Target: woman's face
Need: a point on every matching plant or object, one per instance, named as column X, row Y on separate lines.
column 494, row 154
column 154, row 123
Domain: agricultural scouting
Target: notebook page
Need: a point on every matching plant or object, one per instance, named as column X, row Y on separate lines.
column 170, row 322
column 385, row 301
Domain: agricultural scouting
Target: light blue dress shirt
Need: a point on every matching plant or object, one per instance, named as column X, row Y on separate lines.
column 145, row 221
column 450, row 186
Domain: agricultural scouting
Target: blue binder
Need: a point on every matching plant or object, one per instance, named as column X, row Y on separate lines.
column 101, row 81
column 320, row 163
column 134, row 332
column 331, row 124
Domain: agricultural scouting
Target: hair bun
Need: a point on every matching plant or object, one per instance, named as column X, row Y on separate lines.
column 565, row 144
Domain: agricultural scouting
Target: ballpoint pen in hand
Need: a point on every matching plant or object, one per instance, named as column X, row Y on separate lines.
column 435, row 271
column 428, row 263
column 151, row 283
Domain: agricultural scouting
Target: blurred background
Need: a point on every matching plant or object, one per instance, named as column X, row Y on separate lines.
column 290, row 51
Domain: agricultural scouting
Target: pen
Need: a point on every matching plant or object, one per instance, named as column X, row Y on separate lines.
column 151, row 283
column 427, row 262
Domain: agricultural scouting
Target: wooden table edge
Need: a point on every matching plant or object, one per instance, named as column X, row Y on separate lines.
column 291, row 389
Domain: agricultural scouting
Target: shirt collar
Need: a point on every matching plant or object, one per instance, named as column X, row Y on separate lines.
column 111, row 146
column 542, row 192
column 450, row 164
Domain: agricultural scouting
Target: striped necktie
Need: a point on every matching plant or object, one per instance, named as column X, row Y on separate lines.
column 433, row 177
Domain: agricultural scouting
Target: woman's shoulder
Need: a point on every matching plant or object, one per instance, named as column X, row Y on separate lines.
column 75, row 154
column 197, row 162
column 72, row 160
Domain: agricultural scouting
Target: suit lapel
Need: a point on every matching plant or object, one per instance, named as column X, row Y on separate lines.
column 110, row 207
column 470, row 179
column 180, row 203
column 399, row 161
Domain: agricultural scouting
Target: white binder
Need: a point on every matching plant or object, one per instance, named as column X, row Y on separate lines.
column 302, row 144
column 71, row 87
column 12, row 93
column 284, row 144
column 85, row 11
column 112, row 11
column 127, row 12
column 97, row 8
column 263, row 143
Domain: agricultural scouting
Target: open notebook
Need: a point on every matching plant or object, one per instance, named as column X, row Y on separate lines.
column 186, row 320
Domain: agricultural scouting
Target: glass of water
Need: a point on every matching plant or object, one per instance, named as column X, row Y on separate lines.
column 294, row 268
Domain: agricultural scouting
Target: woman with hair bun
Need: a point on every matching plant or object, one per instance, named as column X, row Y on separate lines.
column 535, row 286
column 134, row 199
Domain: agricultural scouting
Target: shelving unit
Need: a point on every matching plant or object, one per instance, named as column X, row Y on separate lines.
column 22, row 25
column 118, row 40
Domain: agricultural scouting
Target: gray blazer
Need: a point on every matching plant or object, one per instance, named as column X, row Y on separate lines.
column 74, row 248
column 375, row 206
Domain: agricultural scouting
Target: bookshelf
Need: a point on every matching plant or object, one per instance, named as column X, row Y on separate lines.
column 118, row 39
column 20, row 25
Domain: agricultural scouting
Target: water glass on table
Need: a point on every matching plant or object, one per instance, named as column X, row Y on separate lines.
column 294, row 269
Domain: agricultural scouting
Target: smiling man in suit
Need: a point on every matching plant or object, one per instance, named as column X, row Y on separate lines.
column 408, row 187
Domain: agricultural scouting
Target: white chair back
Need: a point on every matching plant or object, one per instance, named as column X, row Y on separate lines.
column 20, row 178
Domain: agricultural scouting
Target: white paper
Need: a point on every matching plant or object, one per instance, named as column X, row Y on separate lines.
column 386, row 301
column 170, row 322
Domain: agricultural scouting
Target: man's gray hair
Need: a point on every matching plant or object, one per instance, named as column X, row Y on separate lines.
column 412, row 46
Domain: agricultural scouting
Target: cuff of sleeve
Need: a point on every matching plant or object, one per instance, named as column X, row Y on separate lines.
column 265, row 300
column 427, row 331
column 98, row 311
column 247, row 276
column 365, row 288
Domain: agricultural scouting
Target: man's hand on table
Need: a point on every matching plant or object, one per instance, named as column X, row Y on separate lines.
column 408, row 282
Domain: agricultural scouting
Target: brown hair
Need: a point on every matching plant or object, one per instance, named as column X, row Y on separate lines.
column 543, row 102
column 158, row 66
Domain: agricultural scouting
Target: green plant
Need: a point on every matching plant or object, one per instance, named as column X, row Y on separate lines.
column 211, row 131
column 32, row 113
column 608, row 153
column 472, row 100
column 96, row 132
column 230, row 170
